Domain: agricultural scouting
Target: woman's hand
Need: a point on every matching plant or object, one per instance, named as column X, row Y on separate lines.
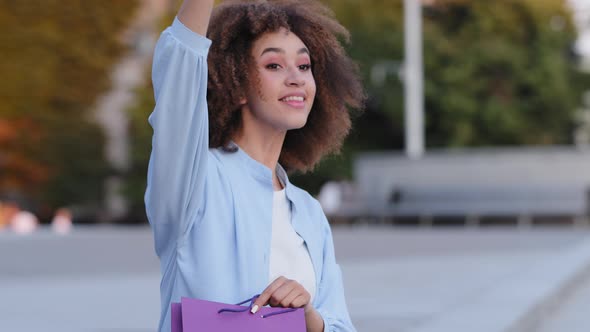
column 284, row 293
column 289, row 293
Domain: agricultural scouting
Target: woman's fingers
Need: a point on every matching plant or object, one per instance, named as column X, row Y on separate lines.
column 297, row 298
column 266, row 294
column 301, row 301
column 282, row 292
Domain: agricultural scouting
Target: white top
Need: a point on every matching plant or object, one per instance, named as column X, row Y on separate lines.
column 289, row 256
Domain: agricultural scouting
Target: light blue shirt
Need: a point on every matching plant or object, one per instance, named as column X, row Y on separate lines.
column 211, row 210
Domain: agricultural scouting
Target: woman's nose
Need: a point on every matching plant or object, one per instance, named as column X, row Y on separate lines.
column 295, row 77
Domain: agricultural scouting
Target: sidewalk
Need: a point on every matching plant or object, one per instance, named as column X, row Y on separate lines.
column 510, row 287
column 402, row 280
column 570, row 312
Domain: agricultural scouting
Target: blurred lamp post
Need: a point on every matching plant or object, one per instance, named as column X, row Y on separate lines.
column 413, row 79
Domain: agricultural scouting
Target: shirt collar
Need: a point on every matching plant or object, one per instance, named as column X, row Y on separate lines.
column 289, row 188
column 255, row 168
column 264, row 174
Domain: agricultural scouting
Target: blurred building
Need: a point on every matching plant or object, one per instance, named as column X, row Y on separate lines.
column 129, row 74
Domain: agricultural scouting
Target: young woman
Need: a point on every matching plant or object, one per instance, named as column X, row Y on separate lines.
column 273, row 98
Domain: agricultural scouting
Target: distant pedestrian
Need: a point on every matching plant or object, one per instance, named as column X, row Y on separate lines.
column 62, row 221
column 20, row 221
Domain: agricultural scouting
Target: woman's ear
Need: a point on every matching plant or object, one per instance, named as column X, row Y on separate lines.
column 243, row 101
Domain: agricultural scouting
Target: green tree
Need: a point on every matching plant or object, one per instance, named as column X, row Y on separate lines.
column 57, row 62
column 500, row 73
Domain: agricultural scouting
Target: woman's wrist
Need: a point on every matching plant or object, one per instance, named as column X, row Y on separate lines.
column 313, row 319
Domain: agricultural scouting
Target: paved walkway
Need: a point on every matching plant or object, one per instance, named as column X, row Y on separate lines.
column 570, row 312
column 463, row 280
column 396, row 279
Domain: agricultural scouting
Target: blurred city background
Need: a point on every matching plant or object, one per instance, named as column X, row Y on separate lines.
column 460, row 201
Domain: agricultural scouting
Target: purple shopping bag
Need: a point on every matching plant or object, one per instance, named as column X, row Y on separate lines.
column 176, row 317
column 193, row 315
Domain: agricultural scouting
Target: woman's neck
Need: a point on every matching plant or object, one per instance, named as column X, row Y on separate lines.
column 262, row 147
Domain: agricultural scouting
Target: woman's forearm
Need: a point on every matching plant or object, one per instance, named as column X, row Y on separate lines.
column 195, row 14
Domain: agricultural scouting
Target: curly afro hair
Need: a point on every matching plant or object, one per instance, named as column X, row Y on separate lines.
column 235, row 26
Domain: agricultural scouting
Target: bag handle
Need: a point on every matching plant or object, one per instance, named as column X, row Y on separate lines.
column 251, row 300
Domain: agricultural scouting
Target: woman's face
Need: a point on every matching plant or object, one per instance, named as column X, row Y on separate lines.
column 283, row 89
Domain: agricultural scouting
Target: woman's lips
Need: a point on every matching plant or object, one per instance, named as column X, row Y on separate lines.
column 295, row 101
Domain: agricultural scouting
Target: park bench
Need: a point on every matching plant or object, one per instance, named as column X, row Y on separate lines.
column 519, row 184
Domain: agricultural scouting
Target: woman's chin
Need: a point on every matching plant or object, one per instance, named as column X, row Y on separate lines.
column 297, row 124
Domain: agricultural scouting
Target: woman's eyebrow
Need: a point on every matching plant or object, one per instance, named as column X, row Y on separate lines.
column 303, row 50
column 280, row 50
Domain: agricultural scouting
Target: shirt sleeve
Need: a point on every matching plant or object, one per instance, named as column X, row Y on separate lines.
column 178, row 161
column 332, row 304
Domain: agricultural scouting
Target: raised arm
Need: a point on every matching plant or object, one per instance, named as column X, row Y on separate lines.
column 177, row 170
column 195, row 15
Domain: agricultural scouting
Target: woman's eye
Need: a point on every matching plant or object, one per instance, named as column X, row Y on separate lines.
column 272, row 66
column 305, row 67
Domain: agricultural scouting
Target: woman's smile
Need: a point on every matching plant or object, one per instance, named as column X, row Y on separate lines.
column 296, row 100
